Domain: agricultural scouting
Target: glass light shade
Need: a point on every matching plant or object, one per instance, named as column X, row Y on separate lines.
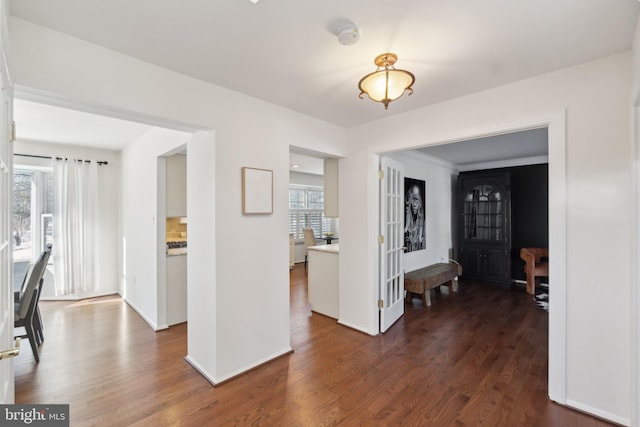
column 386, row 85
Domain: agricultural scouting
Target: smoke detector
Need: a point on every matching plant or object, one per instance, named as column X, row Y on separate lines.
column 349, row 36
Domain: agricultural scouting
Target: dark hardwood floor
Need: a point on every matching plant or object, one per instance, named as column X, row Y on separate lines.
column 478, row 357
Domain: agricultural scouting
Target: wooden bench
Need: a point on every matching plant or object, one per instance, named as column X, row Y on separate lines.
column 420, row 282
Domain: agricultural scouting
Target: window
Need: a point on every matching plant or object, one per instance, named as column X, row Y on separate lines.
column 22, row 215
column 32, row 213
column 305, row 211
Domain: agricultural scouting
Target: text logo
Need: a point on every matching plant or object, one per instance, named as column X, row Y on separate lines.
column 34, row 415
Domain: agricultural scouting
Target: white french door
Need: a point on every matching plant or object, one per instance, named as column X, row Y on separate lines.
column 391, row 299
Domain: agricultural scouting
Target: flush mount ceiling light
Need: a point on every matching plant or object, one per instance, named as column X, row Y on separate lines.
column 386, row 84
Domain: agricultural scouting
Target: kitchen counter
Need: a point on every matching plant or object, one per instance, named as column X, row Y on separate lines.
column 323, row 279
column 176, row 252
column 325, row 248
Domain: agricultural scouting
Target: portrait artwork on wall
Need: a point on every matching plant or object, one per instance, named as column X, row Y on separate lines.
column 415, row 237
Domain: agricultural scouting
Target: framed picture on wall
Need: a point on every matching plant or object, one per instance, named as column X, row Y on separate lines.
column 257, row 191
column 415, row 237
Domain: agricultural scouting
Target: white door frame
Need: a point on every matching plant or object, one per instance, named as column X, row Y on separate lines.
column 7, row 386
column 7, row 380
column 635, row 252
column 556, row 124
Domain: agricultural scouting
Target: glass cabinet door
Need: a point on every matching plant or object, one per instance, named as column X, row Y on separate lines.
column 484, row 213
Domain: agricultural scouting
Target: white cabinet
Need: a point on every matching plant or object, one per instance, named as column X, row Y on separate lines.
column 176, row 289
column 330, row 188
column 176, row 172
column 323, row 279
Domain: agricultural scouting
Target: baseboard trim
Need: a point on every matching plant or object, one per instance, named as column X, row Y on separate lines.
column 323, row 315
column 77, row 297
column 153, row 325
column 355, row 328
column 258, row 364
column 200, row 369
column 239, row 372
column 598, row 413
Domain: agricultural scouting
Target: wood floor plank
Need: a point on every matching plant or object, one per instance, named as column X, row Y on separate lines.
column 477, row 357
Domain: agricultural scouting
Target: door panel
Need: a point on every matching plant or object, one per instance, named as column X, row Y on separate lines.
column 496, row 264
column 470, row 259
column 391, row 251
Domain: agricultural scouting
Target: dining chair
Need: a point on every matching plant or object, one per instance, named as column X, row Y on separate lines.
column 26, row 313
column 26, row 321
column 309, row 240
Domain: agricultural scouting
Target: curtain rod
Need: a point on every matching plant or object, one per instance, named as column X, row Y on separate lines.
column 99, row 162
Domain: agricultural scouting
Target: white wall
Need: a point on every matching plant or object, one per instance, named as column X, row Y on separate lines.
column 108, row 206
column 202, row 299
column 358, row 190
column 635, row 250
column 300, row 178
column 595, row 97
column 635, row 87
column 238, row 290
column 439, row 178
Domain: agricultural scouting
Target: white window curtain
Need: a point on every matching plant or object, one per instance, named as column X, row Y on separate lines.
column 75, row 216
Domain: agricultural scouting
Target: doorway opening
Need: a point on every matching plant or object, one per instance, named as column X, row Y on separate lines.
column 556, row 143
column 81, row 133
column 314, row 223
column 173, row 231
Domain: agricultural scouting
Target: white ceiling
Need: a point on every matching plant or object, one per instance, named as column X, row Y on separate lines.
column 47, row 123
column 306, row 164
column 518, row 145
column 529, row 144
column 286, row 51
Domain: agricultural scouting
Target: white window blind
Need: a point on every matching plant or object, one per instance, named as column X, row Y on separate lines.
column 305, row 211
